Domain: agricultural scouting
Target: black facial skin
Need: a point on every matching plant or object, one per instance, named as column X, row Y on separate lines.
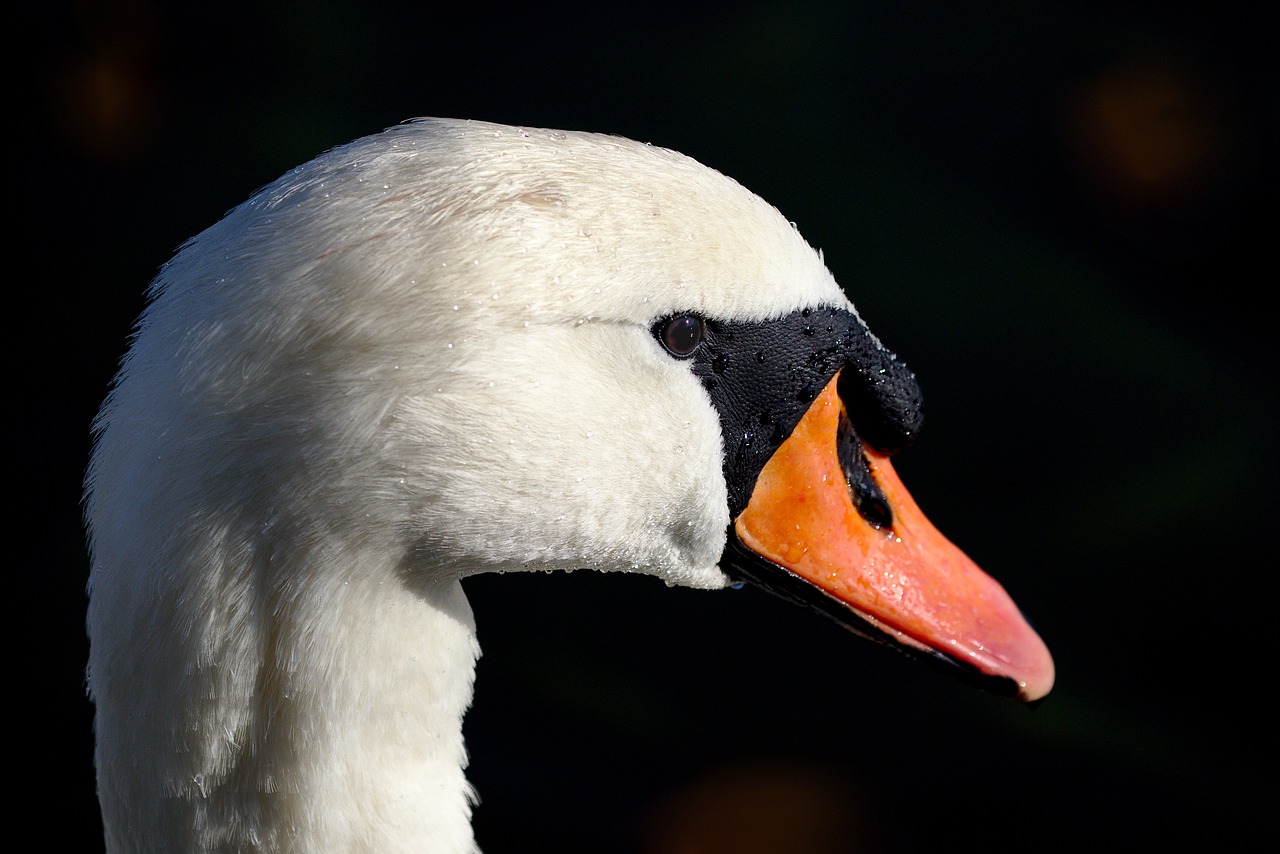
column 762, row 377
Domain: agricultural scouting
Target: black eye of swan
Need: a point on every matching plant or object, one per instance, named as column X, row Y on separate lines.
column 680, row 334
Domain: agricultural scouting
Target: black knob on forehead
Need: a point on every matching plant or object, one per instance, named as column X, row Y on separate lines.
column 882, row 397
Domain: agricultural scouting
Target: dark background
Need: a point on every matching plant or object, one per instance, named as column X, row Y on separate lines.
column 1061, row 214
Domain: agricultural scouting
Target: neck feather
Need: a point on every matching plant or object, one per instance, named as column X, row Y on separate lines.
column 322, row 718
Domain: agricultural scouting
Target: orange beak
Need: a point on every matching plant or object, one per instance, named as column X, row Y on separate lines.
column 906, row 582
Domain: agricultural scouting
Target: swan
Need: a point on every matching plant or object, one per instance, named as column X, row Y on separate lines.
column 456, row 347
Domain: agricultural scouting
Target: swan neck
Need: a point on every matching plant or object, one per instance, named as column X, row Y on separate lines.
column 333, row 723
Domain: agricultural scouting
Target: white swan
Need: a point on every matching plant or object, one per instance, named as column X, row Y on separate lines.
column 450, row 348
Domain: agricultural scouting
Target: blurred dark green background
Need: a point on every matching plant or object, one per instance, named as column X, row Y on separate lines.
column 1062, row 216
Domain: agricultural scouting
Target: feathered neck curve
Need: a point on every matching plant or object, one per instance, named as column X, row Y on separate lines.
column 422, row 355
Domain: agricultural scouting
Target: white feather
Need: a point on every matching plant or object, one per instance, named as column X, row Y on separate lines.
column 422, row 355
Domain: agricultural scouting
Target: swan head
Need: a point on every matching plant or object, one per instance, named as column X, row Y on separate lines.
column 457, row 337
column 457, row 347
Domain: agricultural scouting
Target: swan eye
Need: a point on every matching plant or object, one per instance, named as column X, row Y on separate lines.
column 681, row 334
